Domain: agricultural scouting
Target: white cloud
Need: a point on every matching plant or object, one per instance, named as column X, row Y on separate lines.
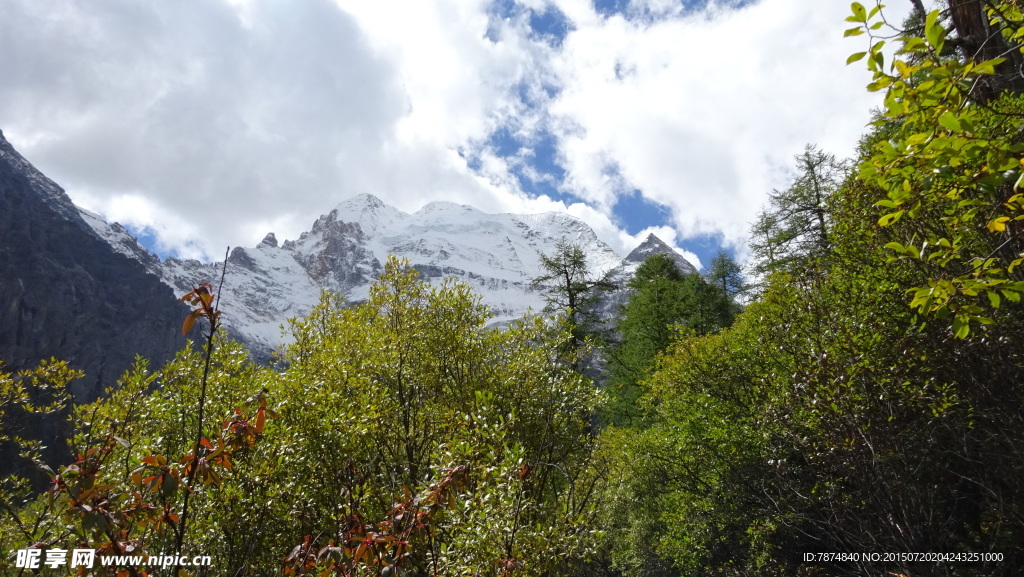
column 216, row 121
column 699, row 112
column 212, row 123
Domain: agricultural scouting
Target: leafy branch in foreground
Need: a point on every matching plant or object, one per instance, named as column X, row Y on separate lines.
column 202, row 298
column 119, row 496
column 952, row 164
column 384, row 546
column 126, row 516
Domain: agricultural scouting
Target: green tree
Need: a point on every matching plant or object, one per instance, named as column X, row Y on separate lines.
column 646, row 325
column 831, row 416
column 727, row 274
column 808, row 427
column 571, row 289
column 794, row 229
column 413, row 383
column 663, row 302
column 401, row 435
column 26, row 398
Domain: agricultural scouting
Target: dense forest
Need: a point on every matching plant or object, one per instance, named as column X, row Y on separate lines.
column 854, row 405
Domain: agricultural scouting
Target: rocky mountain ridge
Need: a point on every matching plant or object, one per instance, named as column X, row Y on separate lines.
column 66, row 291
column 343, row 251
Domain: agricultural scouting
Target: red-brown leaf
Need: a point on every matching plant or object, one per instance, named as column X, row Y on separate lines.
column 190, row 321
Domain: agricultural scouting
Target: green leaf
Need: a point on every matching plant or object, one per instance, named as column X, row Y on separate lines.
column 883, row 81
column 890, row 218
column 853, row 32
column 950, row 121
column 989, row 66
column 993, row 299
column 913, row 44
column 855, row 57
column 930, row 19
column 961, row 328
column 934, row 32
column 859, row 13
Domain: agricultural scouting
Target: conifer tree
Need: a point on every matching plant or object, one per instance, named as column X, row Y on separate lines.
column 794, row 229
column 569, row 287
column 727, row 274
column 664, row 303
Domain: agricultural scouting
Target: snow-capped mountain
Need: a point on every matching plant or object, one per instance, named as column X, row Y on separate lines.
column 345, row 250
column 624, row 271
column 653, row 245
column 83, row 289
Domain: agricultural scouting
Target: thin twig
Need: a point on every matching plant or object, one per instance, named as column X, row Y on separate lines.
column 202, row 402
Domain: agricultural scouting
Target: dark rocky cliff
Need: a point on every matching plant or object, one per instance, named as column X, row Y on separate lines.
column 65, row 293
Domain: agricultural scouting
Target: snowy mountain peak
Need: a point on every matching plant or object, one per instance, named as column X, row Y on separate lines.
column 360, row 202
column 446, row 211
column 345, row 250
column 649, row 246
column 653, row 245
column 621, row 274
column 497, row 255
column 366, row 210
column 443, row 207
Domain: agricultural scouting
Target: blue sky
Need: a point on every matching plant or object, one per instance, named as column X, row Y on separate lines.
column 205, row 123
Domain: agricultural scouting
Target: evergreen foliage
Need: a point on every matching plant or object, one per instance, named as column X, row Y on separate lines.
column 795, row 228
column 727, row 274
column 663, row 303
column 570, row 288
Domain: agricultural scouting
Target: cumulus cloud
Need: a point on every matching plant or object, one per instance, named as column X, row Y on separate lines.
column 194, row 114
column 213, row 122
column 699, row 110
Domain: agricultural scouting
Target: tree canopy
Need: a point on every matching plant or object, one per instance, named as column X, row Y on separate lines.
column 570, row 288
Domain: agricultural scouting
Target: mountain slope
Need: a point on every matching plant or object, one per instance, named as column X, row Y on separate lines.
column 76, row 287
column 345, row 249
column 66, row 293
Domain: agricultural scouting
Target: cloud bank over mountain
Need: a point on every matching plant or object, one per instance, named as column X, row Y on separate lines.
column 208, row 123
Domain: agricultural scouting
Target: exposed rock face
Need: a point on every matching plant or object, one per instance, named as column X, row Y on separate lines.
column 66, row 292
column 345, row 251
column 78, row 288
column 336, row 255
